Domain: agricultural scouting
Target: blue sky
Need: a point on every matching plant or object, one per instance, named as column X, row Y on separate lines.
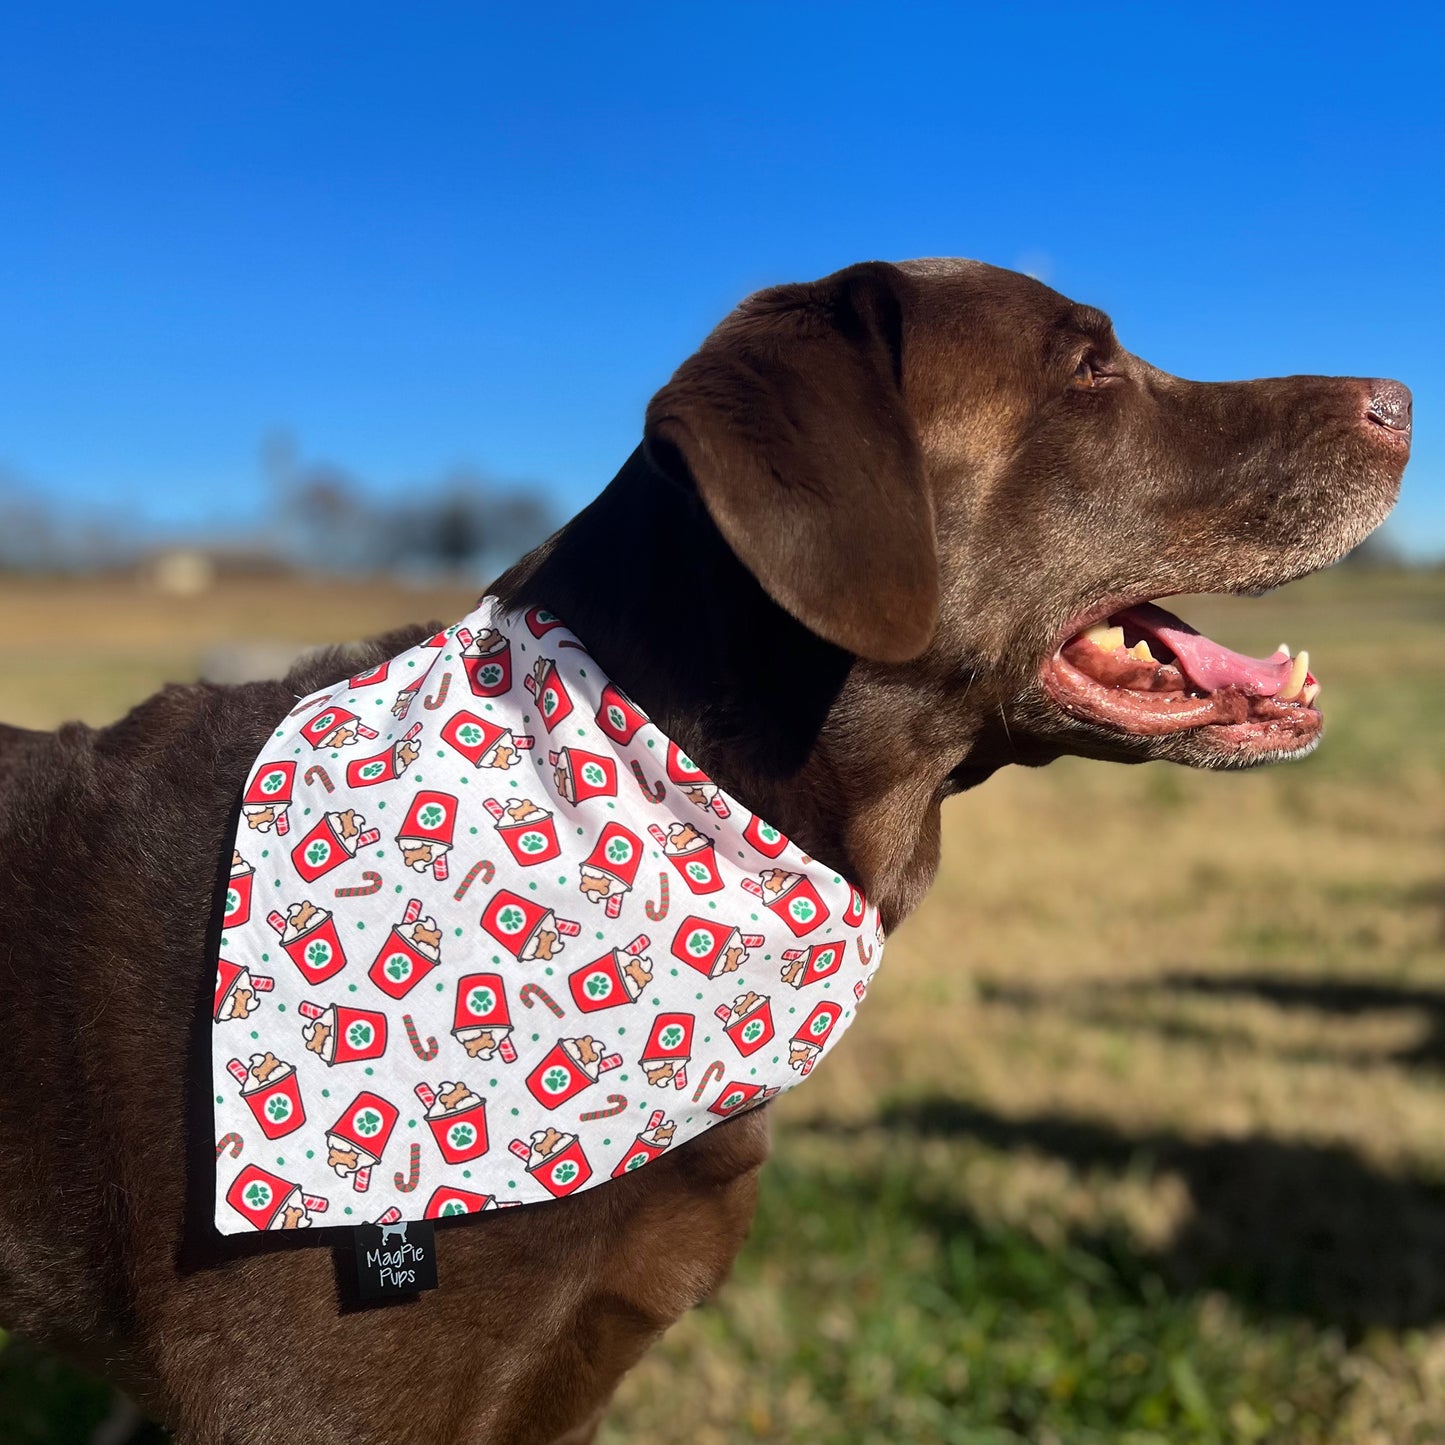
column 427, row 236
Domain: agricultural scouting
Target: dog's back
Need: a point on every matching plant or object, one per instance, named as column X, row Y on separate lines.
column 109, row 869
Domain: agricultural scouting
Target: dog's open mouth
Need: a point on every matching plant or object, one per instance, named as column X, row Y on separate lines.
column 1144, row 671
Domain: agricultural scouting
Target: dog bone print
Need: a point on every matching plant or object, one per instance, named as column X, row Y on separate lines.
column 529, row 991
column 233, row 1141
column 406, row 1183
column 486, row 870
column 653, row 792
column 616, row 1104
column 362, row 890
column 658, row 911
column 315, row 772
column 714, row 1071
column 425, row 1051
column 433, row 703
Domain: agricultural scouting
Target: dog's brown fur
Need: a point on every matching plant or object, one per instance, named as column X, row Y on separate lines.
column 893, row 491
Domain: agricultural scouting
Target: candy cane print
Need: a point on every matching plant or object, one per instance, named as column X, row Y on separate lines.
column 361, row 890
column 307, row 703
column 865, row 954
column 617, row 1103
column 317, row 773
column 424, row 1052
column 433, row 703
column 658, row 911
column 486, row 870
column 529, row 991
column 653, row 792
column 233, row 1141
column 407, row 1184
column 714, row 1071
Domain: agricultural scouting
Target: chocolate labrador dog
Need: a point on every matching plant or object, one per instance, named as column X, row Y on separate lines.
column 885, row 533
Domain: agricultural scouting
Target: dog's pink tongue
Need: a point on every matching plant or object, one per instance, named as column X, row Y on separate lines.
column 1206, row 663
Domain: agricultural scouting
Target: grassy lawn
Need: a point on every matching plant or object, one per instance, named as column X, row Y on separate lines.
column 1141, row 1135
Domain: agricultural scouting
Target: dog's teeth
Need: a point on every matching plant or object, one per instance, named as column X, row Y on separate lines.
column 1106, row 639
column 1310, row 693
column 1141, row 650
column 1282, row 650
column 1297, row 675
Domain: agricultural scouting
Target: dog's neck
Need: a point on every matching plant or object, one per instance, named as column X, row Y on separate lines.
column 798, row 729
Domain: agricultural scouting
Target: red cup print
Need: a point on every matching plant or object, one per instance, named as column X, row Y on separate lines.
column 618, row 716
column 564, row 1073
column 695, row 859
column 327, row 721
column 614, row 860
column 446, row 1202
column 460, row 1134
column 581, row 776
column 483, row 744
column 750, row 1031
column 646, row 1146
column 370, row 678
column 805, row 966
column 347, row 1035
column 315, row 949
column 482, row 1018
column 732, row 1098
column 263, row 1199
column 857, row 907
column 614, row 979
column 766, row 839
column 564, row 1171
column 402, row 961
column 272, row 784
column 682, row 769
column 489, row 674
column 232, row 980
column 797, row 902
column 238, row 894
column 383, row 767
column 518, row 924
column 275, row 1103
column 670, row 1042
column 325, row 847
column 554, row 702
column 712, row 948
column 365, row 1125
column 812, row 1034
column 427, row 830
column 531, row 839
column 540, row 622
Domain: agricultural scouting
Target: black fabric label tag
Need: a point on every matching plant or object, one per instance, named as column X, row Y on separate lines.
column 395, row 1259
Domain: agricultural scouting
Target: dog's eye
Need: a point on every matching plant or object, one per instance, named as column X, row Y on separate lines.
column 1085, row 373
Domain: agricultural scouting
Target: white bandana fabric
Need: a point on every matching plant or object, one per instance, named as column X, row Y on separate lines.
column 491, row 939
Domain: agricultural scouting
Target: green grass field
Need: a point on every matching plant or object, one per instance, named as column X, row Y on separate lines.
column 1141, row 1135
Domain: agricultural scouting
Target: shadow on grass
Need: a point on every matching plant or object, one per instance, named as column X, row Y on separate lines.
column 1285, row 1228
column 1342, row 997
column 1345, row 998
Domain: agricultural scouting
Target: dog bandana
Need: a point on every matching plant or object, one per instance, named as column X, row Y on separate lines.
column 490, row 938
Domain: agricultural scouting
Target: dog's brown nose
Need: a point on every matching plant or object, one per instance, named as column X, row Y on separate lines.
column 1389, row 405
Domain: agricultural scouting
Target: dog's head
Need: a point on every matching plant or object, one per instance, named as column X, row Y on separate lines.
column 957, row 474
column 926, row 512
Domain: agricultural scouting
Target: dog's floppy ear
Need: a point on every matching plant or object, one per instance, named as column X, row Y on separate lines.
column 790, row 422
